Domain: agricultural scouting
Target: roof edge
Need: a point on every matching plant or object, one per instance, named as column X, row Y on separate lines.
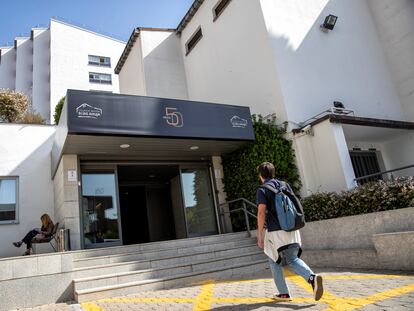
column 54, row 19
column 189, row 15
column 128, row 47
column 361, row 121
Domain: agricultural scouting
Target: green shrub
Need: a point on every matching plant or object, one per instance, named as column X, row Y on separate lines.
column 58, row 110
column 32, row 117
column 13, row 105
column 240, row 174
column 368, row 198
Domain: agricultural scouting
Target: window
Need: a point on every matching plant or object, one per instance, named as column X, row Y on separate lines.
column 191, row 43
column 99, row 61
column 102, row 78
column 8, row 199
column 365, row 163
column 219, row 8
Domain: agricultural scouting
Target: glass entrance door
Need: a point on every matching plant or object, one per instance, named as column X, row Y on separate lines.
column 100, row 210
column 198, row 202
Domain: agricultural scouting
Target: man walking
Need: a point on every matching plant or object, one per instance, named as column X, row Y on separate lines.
column 283, row 248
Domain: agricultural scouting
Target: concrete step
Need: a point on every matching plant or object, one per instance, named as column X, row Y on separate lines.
column 163, row 253
column 342, row 258
column 170, row 281
column 156, row 273
column 190, row 242
column 165, row 261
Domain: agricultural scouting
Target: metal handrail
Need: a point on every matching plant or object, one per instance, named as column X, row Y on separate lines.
column 382, row 173
column 244, row 209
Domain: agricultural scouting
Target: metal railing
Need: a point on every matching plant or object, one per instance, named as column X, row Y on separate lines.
column 358, row 180
column 246, row 212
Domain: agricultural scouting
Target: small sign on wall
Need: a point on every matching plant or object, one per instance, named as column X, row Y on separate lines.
column 72, row 176
column 217, row 173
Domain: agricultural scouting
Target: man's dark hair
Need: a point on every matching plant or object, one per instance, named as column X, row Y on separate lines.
column 266, row 170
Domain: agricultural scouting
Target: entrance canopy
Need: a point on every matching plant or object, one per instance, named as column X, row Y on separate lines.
column 107, row 126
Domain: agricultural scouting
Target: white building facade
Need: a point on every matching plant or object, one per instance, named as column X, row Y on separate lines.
column 274, row 57
column 57, row 58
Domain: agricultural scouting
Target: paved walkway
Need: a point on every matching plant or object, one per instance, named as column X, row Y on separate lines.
column 343, row 291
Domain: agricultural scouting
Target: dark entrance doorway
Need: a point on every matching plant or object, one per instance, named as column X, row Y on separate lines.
column 147, row 202
column 133, row 204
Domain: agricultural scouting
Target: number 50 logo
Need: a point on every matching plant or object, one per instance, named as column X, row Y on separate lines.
column 173, row 117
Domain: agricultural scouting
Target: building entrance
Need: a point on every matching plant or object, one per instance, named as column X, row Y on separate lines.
column 129, row 204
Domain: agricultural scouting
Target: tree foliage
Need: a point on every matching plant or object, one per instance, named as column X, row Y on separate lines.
column 58, row 110
column 240, row 167
column 13, row 105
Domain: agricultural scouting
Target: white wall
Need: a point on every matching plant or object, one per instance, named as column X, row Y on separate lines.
column 69, row 69
column 232, row 63
column 399, row 152
column 25, row 153
column 24, row 66
column 163, row 64
column 395, row 23
column 8, row 68
column 323, row 159
column 41, row 72
column 131, row 77
column 316, row 68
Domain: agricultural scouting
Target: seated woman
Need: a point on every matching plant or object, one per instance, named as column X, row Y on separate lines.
column 37, row 234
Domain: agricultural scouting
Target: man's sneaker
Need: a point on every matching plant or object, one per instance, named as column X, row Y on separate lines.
column 283, row 297
column 316, row 282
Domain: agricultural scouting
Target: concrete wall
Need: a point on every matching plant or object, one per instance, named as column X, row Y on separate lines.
column 24, row 66
column 25, row 153
column 131, row 77
column 163, row 64
column 69, row 69
column 399, row 152
column 323, row 159
column 8, row 68
column 316, row 68
column 66, row 199
column 233, row 62
column 41, row 72
column 355, row 232
column 394, row 20
column 218, row 174
column 35, row 280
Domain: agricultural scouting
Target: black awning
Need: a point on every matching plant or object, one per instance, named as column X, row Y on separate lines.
column 117, row 115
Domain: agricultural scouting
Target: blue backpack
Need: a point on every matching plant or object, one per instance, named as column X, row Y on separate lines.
column 288, row 208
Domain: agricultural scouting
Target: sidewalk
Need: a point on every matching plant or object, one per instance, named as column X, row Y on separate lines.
column 344, row 290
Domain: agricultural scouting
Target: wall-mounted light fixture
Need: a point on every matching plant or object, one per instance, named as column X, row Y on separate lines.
column 329, row 23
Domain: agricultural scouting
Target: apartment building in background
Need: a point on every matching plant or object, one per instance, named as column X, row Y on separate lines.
column 56, row 58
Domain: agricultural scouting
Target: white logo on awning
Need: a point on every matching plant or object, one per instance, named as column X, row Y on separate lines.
column 236, row 121
column 88, row 111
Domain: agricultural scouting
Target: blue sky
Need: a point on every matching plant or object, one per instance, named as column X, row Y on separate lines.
column 111, row 17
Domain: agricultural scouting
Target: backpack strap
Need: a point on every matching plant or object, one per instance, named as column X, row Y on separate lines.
column 270, row 188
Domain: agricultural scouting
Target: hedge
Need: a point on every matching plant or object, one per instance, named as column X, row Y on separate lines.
column 368, row 198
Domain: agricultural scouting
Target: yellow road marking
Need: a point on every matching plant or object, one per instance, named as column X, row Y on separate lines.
column 204, row 299
column 90, row 306
column 148, row 299
column 368, row 276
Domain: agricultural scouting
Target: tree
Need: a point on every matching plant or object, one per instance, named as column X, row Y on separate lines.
column 13, row 105
column 58, row 109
